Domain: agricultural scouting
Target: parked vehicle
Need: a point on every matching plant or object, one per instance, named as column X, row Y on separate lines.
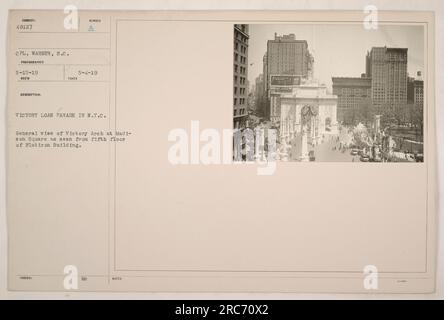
column 311, row 155
column 419, row 157
column 410, row 157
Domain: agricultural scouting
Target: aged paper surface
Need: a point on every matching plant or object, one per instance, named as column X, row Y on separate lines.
column 112, row 176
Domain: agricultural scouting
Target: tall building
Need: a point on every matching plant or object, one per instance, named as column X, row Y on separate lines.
column 415, row 90
column 354, row 98
column 387, row 67
column 259, row 85
column 259, row 95
column 415, row 98
column 240, row 83
column 418, row 93
column 286, row 56
column 265, row 107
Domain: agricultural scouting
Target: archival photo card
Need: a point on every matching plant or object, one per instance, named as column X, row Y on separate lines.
column 221, row 151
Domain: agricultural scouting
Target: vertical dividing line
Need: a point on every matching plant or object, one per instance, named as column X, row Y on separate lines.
column 109, row 154
column 115, row 143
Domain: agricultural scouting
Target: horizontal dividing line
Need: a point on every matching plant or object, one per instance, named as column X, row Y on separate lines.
column 65, row 81
column 57, row 275
column 62, row 64
column 381, row 22
column 46, row 48
column 267, row 271
column 180, row 276
column 66, row 32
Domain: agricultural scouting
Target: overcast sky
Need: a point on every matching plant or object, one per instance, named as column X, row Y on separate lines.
column 338, row 50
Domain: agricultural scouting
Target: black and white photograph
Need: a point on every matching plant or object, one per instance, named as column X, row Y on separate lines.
column 240, row 155
column 330, row 92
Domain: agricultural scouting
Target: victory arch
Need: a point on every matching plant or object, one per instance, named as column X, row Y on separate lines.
column 307, row 116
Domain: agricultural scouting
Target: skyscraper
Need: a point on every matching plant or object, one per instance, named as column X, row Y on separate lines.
column 387, row 67
column 265, row 106
column 259, row 95
column 415, row 98
column 286, row 56
column 415, row 90
column 240, row 83
column 354, row 98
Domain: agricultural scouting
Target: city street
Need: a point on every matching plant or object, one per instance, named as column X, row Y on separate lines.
column 329, row 151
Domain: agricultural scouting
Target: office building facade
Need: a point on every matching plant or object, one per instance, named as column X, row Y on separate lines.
column 240, row 74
